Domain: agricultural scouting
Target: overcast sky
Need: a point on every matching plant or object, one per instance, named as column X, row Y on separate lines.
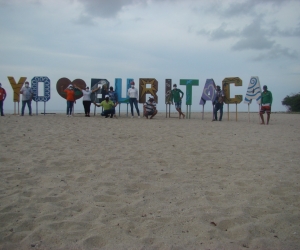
column 177, row 39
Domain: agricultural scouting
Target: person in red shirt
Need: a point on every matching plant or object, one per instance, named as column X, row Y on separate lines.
column 2, row 98
column 70, row 99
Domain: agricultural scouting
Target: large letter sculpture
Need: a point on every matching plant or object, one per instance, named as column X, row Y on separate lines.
column 99, row 95
column 226, row 89
column 168, row 101
column 63, row 83
column 208, row 94
column 35, row 88
column 118, row 90
column 16, row 89
column 144, row 89
column 253, row 92
column 189, row 83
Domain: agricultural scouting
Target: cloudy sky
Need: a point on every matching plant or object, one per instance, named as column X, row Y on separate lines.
column 177, row 39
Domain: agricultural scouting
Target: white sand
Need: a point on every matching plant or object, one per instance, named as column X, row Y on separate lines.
column 96, row 183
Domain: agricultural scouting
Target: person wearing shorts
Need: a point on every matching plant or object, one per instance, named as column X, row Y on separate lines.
column 176, row 96
column 266, row 103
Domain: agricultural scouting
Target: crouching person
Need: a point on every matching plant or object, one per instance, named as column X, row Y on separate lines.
column 108, row 107
column 150, row 108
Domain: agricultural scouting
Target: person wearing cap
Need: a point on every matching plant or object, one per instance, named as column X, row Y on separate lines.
column 133, row 99
column 2, row 98
column 108, row 107
column 70, row 99
column 218, row 103
column 86, row 99
column 266, row 103
column 176, row 96
column 150, row 108
column 113, row 96
column 27, row 94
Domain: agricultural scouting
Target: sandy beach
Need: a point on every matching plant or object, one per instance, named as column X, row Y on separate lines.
column 96, row 183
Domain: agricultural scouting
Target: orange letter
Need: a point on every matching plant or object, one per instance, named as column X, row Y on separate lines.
column 16, row 87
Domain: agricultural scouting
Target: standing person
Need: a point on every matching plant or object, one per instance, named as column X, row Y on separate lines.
column 2, row 98
column 86, row 99
column 150, row 108
column 70, row 99
column 175, row 96
column 266, row 103
column 113, row 96
column 108, row 107
column 133, row 99
column 218, row 103
column 27, row 94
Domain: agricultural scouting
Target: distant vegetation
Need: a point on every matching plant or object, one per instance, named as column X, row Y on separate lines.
column 292, row 102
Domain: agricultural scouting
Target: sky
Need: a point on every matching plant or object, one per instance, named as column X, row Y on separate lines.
column 161, row 39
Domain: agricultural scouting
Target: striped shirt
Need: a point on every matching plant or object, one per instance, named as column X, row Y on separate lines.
column 150, row 106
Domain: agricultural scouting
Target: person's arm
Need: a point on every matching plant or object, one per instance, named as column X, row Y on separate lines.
column 98, row 105
column 171, row 97
column 21, row 91
column 137, row 95
column 96, row 89
column 182, row 94
column 31, row 94
column 4, row 94
column 76, row 87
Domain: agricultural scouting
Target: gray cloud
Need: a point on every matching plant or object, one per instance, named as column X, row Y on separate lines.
column 105, row 8
column 246, row 7
column 277, row 52
column 253, row 36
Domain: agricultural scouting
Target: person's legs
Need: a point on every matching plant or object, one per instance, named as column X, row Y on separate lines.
column 131, row 105
column 68, row 107
column 88, row 107
column 29, row 106
column 106, row 113
column 261, row 113
column 1, row 108
column 221, row 111
column 23, row 107
column 85, row 106
column 216, row 109
column 136, row 106
column 71, row 107
column 153, row 114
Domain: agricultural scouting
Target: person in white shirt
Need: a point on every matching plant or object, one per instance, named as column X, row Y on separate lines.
column 86, row 100
column 133, row 99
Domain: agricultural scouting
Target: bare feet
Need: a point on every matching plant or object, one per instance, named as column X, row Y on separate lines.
column 183, row 116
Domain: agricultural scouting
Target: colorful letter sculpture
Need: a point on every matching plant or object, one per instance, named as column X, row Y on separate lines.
column 143, row 89
column 118, row 89
column 189, row 83
column 104, row 84
column 63, row 83
column 226, row 89
column 34, row 85
column 253, row 91
column 16, row 87
column 209, row 92
column 168, row 89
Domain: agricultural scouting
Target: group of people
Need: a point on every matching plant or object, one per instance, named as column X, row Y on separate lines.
column 266, row 103
column 111, row 101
